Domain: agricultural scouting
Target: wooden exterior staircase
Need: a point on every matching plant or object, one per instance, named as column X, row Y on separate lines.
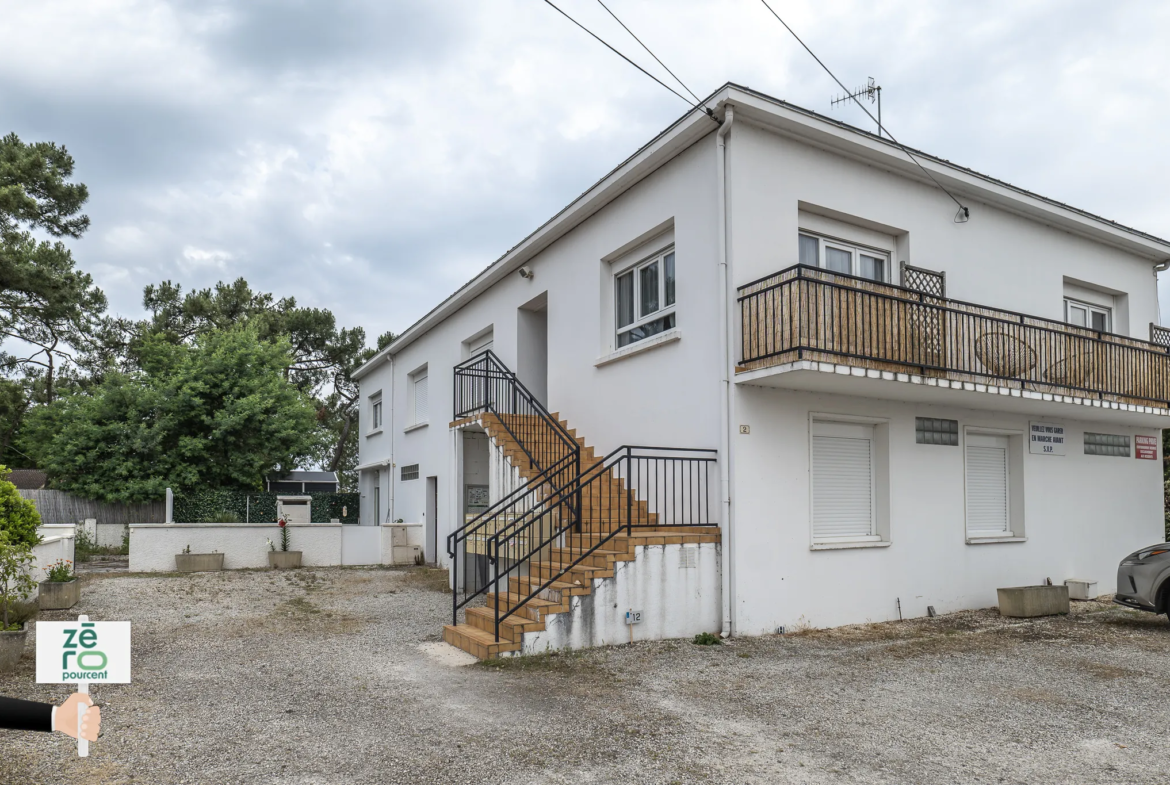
column 571, row 517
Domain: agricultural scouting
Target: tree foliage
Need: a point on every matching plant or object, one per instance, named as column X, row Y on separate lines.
column 45, row 301
column 216, row 413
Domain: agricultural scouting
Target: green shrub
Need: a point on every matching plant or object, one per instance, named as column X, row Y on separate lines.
column 707, row 639
column 18, row 516
column 222, row 516
column 201, row 507
column 16, row 584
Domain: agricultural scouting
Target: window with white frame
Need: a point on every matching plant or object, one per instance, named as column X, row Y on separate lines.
column 842, row 257
column 420, row 398
column 644, row 299
column 1094, row 317
column 988, row 478
column 844, row 500
column 376, row 411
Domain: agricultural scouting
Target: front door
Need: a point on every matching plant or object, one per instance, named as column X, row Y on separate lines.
column 432, row 521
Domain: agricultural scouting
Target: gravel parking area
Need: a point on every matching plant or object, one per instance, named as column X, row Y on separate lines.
column 338, row 676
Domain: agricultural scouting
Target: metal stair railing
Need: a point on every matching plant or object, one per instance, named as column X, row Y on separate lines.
column 485, row 388
column 632, row 487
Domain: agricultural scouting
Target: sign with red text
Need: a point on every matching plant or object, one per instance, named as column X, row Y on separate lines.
column 1146, row 448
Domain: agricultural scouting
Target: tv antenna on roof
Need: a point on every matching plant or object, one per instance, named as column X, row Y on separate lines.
column 871, row 91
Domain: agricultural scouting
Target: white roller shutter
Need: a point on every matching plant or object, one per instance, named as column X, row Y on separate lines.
column 987, row 486
column 422, row 411
column 842, row 477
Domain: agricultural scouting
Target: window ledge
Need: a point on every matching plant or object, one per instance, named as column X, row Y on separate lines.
column 837, row 546
column 374, row 432
column 990, row 540
column 416, row 426
column 663, row 338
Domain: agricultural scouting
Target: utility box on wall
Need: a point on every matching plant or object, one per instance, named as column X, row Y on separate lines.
column 404, row 545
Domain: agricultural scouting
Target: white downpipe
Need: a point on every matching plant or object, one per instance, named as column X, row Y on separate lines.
column 725, row 311
column 390, row 517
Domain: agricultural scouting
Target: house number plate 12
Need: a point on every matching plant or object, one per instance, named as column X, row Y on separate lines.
column 633, row 617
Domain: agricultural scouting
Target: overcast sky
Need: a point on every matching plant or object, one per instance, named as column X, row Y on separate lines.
column 370, row 157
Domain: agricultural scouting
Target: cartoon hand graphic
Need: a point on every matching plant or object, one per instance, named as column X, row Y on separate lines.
column 65, row 718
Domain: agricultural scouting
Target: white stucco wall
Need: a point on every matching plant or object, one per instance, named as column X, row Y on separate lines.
column 771, row 175
column 599, row 402
column 55, row 546
column 153, row 545
column 1082, row 514
column 675, row 602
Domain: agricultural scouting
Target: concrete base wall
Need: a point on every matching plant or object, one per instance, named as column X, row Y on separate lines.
column 244, row 545
column 675, row 601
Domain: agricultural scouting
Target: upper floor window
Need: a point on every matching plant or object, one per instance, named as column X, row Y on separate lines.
column 419, row 397
column 1095, row 317
column 644, row 299
column 376, row 411
column 841, row 257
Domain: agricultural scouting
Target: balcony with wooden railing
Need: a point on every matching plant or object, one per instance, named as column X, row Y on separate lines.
column 810, row 314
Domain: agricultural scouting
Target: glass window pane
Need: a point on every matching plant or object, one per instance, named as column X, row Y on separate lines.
column 808, row 250
column 648, row 285
column 646, row 330
column 624, row 299
column 873, row 268
column 668, row 274
column 1100, row 322
column 1077, row 315
column 838, row 261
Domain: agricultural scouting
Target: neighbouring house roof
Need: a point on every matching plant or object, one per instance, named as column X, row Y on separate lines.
column 809, row 127
column 304, row 476
column 28, row 479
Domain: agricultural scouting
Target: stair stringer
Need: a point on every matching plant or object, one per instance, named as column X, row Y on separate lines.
column 675, row 601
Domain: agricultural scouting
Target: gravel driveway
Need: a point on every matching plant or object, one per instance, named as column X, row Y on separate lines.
column 338, row 676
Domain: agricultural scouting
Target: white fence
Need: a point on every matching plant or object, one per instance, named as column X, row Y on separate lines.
column 153, row 546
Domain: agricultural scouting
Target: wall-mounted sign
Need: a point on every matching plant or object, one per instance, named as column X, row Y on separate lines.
column 1046, row 438
column 1146, row 448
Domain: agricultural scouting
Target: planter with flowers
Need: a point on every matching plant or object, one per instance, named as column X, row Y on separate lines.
column 283, row 559
column 60, row 590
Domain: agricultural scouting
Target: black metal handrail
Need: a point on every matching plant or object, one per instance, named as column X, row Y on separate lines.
column 631, row 487
column 485, row 387
column 806, row 312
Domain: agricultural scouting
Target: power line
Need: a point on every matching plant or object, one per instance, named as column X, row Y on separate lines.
column 964, row 211
column 639, row 40
column 622, row 56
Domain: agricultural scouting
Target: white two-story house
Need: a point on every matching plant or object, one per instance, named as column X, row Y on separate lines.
column 766, row 373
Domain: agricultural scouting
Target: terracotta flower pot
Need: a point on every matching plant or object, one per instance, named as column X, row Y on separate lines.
column 284, row 560
column 198, row 562
column 59, row 595
column 11, row 648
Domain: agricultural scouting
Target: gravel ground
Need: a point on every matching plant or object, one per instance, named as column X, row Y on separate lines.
column 338, row 676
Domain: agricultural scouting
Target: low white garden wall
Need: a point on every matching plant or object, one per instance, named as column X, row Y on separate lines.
column 153, row 545
column 55, row 546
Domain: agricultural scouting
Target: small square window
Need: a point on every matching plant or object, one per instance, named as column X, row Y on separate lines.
column 1112, row 444
column 410, row 472
column 928, row 430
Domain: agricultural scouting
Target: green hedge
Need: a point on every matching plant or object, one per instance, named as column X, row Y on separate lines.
column 210, row 506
